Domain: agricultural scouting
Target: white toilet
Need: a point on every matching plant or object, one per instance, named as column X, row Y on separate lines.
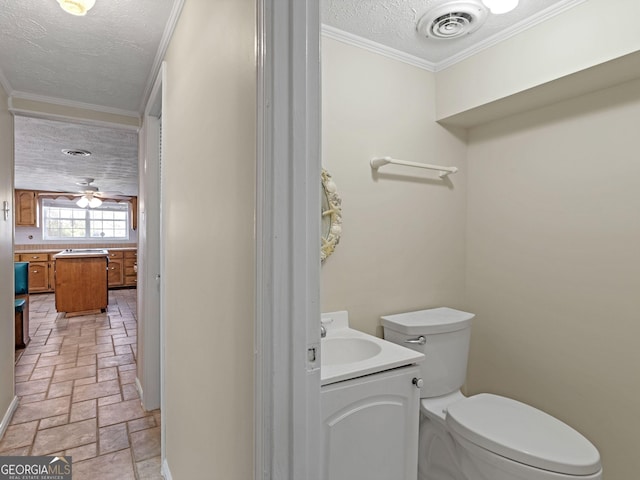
column 482, row 437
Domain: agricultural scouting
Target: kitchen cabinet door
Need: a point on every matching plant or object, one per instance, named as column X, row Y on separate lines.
column 26, row 208
column 38, row 277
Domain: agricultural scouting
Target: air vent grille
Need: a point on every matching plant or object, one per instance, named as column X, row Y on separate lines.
column 76, row 152
column 452, row 20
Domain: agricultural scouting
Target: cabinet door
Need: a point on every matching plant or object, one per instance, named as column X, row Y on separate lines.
column 38, row 277
column 130, row 267
column 115, row 278
column 26, row 208
column 370, row 427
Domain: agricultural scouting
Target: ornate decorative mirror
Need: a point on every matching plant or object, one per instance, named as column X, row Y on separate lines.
column 331, row 226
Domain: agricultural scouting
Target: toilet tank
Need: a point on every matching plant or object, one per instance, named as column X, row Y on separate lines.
column 442, row 335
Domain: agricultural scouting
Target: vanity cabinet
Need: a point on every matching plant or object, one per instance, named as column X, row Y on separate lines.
column 370, row 427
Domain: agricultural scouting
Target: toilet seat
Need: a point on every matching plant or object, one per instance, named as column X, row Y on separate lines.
column 523, row 434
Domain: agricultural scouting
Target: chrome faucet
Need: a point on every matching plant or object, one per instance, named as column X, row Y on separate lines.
column 323, row 331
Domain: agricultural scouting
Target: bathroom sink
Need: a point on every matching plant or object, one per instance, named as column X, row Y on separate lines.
column 336, row 351
column 346, row 353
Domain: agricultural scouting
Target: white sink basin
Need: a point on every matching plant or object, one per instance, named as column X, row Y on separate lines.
column 346, row 353
column 336, row 351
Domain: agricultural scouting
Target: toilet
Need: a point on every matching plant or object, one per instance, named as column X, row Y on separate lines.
column 485, row 436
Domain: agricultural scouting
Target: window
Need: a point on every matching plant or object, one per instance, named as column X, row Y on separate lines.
column 63, row 219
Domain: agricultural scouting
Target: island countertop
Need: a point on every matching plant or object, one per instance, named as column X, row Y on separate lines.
column 82, row 252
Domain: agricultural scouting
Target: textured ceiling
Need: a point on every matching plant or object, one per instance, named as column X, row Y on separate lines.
column 393, row 23
column 41, row 165
column 104, row 58
column 103, row 61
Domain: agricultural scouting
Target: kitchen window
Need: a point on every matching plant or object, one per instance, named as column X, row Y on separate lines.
column 62, row 220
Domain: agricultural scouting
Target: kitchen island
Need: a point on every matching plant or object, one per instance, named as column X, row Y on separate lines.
column 81, row 281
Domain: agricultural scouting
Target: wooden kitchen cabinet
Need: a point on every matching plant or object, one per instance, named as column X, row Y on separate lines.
column 122, row 271
column 130, row 268
column 26, row 208
column 123, row 268
column 38, row 277
column 40, row 272
column 34, row 257
column 116, row 272
column 81, row 283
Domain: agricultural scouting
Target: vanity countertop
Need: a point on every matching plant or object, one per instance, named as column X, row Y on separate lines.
column 347, row 353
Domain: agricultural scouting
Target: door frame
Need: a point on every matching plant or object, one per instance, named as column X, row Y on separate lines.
column 287, row 323
column 151, row 341
column 150, row 253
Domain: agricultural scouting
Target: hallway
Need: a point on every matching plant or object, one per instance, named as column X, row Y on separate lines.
column 76, row 386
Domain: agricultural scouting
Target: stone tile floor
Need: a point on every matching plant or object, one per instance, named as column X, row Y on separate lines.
column 75, row 381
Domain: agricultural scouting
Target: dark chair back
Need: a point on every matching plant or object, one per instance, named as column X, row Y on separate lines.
column 21, row 277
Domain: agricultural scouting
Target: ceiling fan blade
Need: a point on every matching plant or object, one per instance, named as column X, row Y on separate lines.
column 110, row 194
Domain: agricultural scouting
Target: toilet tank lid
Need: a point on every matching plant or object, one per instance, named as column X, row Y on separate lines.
column 522, row 433
column 430, row 321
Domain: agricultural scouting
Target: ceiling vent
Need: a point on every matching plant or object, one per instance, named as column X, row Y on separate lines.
column 452, row 20
column 76, row 152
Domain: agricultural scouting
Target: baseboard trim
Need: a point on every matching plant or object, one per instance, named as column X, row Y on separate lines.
column 166, row 473
column 8, row 415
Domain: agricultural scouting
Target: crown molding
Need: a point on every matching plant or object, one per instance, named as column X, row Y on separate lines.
column 366, row 44
column 73, row 104
column 162, row 50
column 509, row 32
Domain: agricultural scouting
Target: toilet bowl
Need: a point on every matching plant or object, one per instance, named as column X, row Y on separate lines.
column 485, row 436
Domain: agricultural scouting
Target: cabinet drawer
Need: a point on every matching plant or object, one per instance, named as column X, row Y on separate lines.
column 34, row 257
column 131, row 254
column 115, row 254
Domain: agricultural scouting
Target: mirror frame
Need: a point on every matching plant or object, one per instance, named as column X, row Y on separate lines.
column 334, row 210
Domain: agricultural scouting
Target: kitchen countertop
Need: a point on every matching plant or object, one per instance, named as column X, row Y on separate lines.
column 81, row 253
column 56, row 250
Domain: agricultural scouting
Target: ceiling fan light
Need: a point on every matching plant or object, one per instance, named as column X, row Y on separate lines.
column 77, row 7
column 500, row 6
column 95, row 202
column 83, row 202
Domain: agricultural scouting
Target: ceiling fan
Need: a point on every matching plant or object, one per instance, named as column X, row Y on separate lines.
column 91, row 195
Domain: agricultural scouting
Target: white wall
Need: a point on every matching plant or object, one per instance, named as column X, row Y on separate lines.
column 589, row 34
column 7, row 339
column 402, row 246
column 547, row 238
column 552, row 266
column 209, row 155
